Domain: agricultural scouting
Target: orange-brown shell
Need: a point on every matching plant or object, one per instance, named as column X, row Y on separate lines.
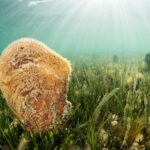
column 34, row 80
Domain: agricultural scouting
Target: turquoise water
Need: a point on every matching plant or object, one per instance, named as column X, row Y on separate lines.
column 79, row 26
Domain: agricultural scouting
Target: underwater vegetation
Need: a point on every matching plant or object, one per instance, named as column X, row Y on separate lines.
column 111, row 110
column 34, row 81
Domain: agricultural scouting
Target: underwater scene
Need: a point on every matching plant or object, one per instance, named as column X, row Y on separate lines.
column 74, row 75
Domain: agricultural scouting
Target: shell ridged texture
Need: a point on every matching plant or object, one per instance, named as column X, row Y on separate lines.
column 34, row 80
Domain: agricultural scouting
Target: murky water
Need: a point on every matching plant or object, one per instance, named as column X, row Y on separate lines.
column 74, row 27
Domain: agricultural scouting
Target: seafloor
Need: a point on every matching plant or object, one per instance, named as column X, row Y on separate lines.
column 111, row 110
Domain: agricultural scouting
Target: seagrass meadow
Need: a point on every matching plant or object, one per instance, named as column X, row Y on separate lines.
column 111, row 111
column 107, row 43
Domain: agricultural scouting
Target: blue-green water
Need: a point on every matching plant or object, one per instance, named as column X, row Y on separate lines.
column 72, row 27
